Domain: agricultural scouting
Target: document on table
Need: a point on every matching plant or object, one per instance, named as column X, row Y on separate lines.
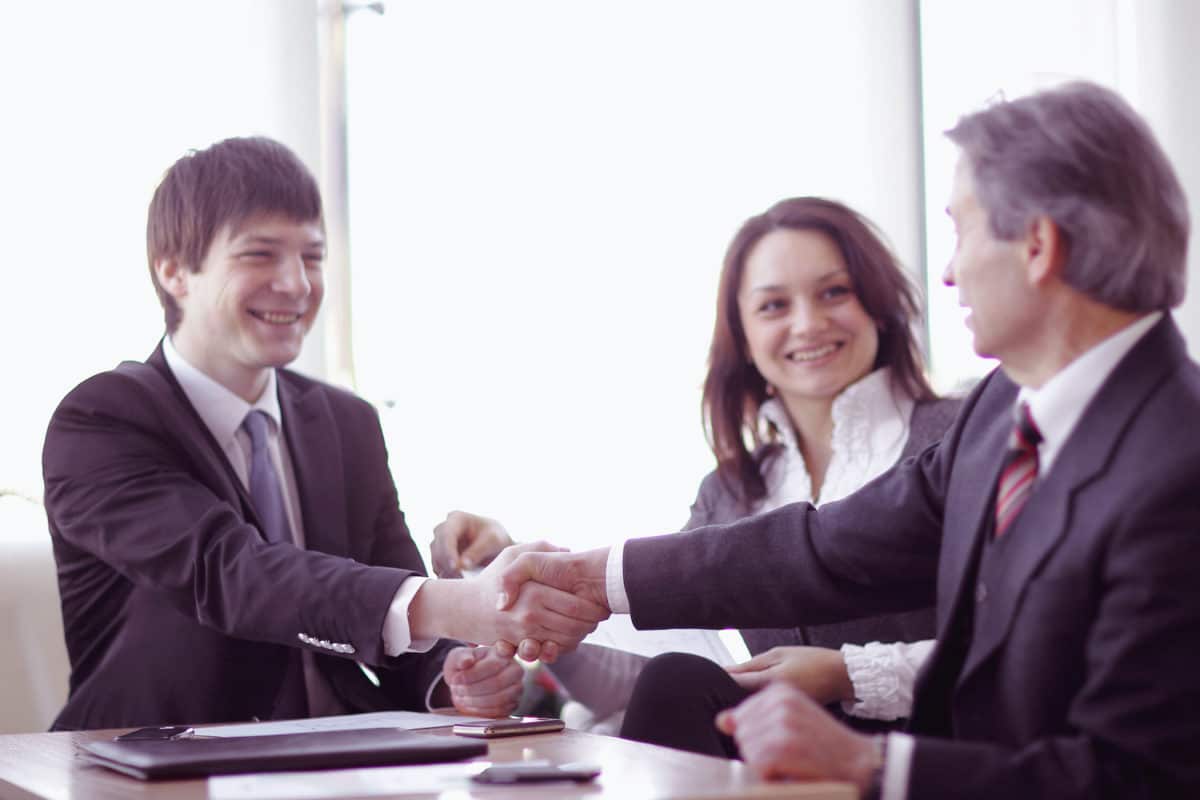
column 425, row 780
column 723, row 647
column 408, row 720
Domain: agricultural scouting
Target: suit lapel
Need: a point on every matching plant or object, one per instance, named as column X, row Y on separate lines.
column 967, row 522
column 315, row 448
column 1050, row 514
column 190, row 432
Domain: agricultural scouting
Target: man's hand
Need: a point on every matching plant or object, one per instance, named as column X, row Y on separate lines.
column 483, row 683
column 581, row 574
column 782, row 733
column 466, row 541
column 819, row 672
column 471, row 610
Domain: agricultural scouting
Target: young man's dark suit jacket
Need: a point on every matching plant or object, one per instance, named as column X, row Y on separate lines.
column 1074, row 671
column 175, row 608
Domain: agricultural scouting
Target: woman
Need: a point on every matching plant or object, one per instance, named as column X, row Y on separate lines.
column 814, row 387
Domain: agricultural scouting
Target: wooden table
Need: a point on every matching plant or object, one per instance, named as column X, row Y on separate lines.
column 45, row 765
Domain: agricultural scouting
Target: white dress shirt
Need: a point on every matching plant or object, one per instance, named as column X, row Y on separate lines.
column 222, row 412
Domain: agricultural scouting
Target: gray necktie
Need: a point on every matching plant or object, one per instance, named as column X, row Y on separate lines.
column 264, row 481
column 291, row 702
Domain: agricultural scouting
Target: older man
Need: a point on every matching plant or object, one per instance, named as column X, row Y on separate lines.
column 1058, row 521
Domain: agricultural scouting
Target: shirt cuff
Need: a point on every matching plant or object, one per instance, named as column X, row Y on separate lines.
column 614, row 580
column 896, row 767
column 883, row 676
column 397, row 636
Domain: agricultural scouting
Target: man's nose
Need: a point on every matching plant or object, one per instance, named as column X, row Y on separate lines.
column 291, row 278
column 948, row 273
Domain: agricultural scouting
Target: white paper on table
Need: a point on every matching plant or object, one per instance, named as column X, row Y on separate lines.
column 408, row 720
column 723, row 647
column 424, row 779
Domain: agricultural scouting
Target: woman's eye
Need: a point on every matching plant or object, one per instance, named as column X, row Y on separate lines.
column 836, row 292
column 770, row 305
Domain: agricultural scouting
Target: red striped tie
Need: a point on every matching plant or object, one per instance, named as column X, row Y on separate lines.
column 1020, row 470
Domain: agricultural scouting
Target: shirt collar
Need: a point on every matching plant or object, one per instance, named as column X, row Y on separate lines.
column 870, row 396
column 1058, row 405
column 221, row 410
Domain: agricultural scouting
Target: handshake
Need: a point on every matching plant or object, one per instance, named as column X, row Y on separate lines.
column 535, row 600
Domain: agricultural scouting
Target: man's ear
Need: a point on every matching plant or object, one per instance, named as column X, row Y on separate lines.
column 172, row 277
column 1045, row 250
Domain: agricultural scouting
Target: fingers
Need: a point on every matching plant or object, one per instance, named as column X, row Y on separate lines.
column 545, row 613
column 459, row 659
column 445, row 547
column 482, row 681
column 754, row 674
column 755, row 664
column 489, row 539
column 527, row 565
column 529, row 649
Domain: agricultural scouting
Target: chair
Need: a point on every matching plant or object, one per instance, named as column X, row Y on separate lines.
column 33, row 661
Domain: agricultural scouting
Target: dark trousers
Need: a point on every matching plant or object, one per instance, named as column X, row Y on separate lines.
column 675, row 703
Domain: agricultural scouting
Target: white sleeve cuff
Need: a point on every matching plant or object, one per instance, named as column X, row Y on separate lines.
column 614, row 580
column 397, row 636
column 897, row 766
column 883, row 676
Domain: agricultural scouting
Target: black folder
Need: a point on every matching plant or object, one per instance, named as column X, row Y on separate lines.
column 199, row 756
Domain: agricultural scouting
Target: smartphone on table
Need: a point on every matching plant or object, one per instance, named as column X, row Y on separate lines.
column 508, row 726
column 536, row 772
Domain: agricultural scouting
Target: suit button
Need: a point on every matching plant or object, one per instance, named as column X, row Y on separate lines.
column 980, row 593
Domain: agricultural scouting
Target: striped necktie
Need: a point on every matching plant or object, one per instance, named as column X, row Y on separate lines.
column 264, row 481
column 1020, row 470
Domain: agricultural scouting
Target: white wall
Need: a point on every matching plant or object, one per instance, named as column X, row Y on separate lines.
column 541, row 196
column 98, row 99
column 1165, row 77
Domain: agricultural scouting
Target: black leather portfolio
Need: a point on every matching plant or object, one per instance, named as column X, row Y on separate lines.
column 199, row 756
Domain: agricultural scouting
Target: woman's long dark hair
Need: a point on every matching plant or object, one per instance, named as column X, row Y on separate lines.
column 734, row 390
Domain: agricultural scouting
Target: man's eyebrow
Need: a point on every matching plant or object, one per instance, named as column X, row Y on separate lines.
column 275, row 240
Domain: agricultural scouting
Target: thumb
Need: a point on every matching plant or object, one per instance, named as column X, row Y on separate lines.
column 525, row 567
column 481, row 550
column 459, row 659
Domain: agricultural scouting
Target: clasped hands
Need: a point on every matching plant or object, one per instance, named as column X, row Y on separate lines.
column 781, row 731
column 538, row 619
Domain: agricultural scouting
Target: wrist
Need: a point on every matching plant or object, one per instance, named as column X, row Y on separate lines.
column 439, row 608
column 868, row 775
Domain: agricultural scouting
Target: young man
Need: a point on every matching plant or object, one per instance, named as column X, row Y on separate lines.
column 227, row 532
column 1058, row 520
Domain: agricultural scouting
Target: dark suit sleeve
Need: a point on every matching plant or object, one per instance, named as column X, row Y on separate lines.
column 1131, row 728
column 122, row 486
column 874, row 552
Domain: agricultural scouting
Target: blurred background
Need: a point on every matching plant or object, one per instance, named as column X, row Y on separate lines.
column 528, row 201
